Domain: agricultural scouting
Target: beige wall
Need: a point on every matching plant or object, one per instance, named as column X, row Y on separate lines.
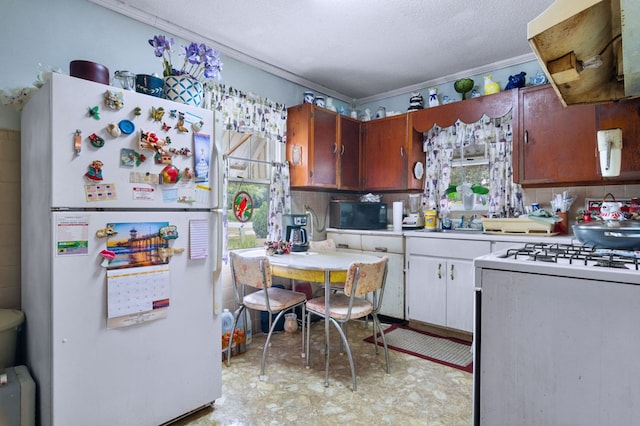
column 9, row 219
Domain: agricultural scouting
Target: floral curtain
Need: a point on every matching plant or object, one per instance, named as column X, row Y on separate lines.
column 248, row 113
column 279, row 201
column 440, row 143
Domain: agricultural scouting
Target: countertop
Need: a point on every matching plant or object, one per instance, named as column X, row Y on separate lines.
column 463, row 235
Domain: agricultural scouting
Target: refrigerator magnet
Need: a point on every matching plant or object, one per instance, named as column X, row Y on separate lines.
column 169, row 232
column 106, row 232
column 107, row 256
column 93, row 112
column 96, row 140
column 95, row 170
column 170, row 174
column 197, row 125
column 157, row 113
column 77, row 141
column 180, row 124
column 113, row 100
column 165, row 253
column 114, row 130
column 126, row 126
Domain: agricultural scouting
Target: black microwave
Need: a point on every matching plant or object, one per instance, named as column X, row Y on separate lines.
column 355, row 215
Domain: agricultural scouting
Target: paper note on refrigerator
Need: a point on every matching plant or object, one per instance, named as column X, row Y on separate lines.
column 198, row 239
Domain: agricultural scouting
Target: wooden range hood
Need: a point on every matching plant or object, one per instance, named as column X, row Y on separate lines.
column 589, row 49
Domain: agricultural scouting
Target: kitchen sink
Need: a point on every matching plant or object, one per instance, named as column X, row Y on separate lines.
column 463, row 231
column 454, row 231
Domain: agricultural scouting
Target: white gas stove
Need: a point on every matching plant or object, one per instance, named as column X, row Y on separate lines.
column 569, row 260
column 555, row 336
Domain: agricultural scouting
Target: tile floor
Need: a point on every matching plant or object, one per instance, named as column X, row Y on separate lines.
column 417, row 392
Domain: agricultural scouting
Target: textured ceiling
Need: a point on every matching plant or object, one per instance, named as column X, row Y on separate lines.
column 353, row 48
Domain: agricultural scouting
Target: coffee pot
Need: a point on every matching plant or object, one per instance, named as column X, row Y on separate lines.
column 298, row 238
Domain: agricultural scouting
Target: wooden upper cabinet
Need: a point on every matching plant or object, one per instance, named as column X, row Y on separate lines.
column 387, row 153
column 323, row 148
column 626, row 116
column 554, row 144
column 468, row 111
column 348, row 175
column 312, row 146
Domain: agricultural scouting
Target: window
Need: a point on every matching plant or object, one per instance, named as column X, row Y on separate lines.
column 249, row 159
column 470, row 164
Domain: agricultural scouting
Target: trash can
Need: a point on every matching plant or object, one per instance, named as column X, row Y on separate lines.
column 10, row 322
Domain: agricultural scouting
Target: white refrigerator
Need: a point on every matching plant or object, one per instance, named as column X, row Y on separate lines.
column 121, row 255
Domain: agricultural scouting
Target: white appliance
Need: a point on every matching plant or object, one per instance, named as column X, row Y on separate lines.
column 138, row 340
column 555, row 340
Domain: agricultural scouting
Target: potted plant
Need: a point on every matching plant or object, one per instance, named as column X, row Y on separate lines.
column 184, row 84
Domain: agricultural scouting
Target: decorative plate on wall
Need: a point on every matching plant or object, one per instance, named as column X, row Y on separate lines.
column 418, row 170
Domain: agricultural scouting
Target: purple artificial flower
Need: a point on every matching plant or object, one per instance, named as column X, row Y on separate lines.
column 203, row 61
column 192, row 54
column 161, row 44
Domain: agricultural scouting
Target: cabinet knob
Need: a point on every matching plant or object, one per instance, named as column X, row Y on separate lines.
column 439, row 271
column 342, row 151
column 526, row 136
column 451, row 273
column 335, row 147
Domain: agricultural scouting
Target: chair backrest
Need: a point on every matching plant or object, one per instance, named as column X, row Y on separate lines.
column 366, row 277
column 327, row 245
column 251, row 271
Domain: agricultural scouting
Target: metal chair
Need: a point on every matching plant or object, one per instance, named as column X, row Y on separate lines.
column 363, row 278
column 255, row 272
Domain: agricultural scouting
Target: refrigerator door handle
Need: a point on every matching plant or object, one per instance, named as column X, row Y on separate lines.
column 217, row 261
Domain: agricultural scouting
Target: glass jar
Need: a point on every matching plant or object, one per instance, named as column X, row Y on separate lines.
column 291, row 323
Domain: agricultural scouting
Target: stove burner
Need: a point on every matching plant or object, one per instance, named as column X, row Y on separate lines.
column 608, row 263
column 543, row 257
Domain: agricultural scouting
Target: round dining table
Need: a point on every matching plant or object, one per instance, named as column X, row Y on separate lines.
column 321, row 267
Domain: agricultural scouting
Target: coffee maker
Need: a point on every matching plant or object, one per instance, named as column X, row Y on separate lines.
column 295, row 231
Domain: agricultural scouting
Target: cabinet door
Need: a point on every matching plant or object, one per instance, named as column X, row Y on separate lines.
column 349, row 154
column 626, row 116
column 393, row 298
column 385, row 154
column 312, row 146
column 556, row 144
column 460, row 294
column 427, row 291
column 325, row 147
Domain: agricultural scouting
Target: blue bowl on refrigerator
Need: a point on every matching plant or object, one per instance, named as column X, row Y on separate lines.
column 149, row 85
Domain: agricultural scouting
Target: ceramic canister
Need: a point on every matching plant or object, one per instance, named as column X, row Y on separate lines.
column 320, row 101
column 309, row 98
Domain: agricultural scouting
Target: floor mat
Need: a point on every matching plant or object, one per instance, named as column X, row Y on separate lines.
column 443, row 350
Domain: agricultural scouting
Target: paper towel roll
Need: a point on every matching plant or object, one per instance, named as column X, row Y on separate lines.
column 397, row 216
